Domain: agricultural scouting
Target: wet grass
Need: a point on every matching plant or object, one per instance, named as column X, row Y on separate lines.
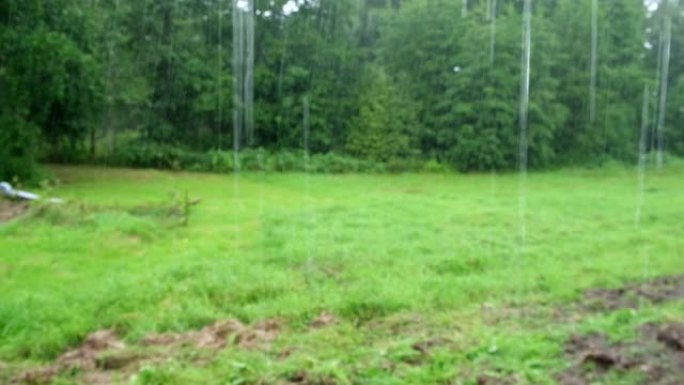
column 425, row 274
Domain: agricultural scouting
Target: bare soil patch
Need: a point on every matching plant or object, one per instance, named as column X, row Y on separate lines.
column 10, row 210
column 102, row 354
column 655, row 291
column 302, row 377
column 491, row 380
column 83, row 358
column 425, row 347
column 323, row 320
column 220, row 334
column 657, row 356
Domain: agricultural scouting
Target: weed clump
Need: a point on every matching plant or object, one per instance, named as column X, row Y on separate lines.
column 171, row 213
column 10, row 210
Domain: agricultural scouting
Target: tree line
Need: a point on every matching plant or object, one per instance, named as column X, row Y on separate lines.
column 380, row 80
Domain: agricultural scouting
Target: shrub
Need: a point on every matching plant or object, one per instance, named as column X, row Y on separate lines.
column 253, row 160
column 17, row 149
column 138, row 154
column 283, row 161
column 434, row 166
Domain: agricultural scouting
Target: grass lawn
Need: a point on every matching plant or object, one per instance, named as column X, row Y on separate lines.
column 421, row 279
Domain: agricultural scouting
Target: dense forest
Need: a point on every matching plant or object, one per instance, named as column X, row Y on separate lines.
column 185, row 83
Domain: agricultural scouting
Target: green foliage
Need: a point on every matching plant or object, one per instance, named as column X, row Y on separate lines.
column 416, row 272
column 380, row 132
column 18, row 150
column 389, row 82
column 469, row 103
column 675, row 123
column 168, row 157
column 47, row 80
column 162, row 156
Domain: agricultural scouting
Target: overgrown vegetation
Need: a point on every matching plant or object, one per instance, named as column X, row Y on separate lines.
column 145, row 155
column 386, row 81
column 335, row 279
column 287, row 271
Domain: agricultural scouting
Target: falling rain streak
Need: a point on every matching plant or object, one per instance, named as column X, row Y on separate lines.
column 243, row 75
column 283, row 56
column 249, row 73
column 219, row 70
column 305, row 130
column 641, row 169
column 305, row 144
column 492, row 36
column 464, row 8
column 664, row 74
column 524, row 107
column 654, row 126
column 594, row 60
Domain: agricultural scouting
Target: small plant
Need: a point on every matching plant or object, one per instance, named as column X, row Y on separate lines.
column 152, row 155
column 188, row 203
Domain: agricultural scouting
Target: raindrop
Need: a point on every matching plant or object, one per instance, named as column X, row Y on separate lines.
column 594, row 60
column 664, row 73
column 642, row 157
column 524, row 109
column 492, row 38
column 243, row 76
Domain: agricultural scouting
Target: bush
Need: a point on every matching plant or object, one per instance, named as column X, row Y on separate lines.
column 221, row 162
column 283, row 161
column 253, row 160
column 434, row 166
column 17, row 149
column 152, row 155
column 163, row 156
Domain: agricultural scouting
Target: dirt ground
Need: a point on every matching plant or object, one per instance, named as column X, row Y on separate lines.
column 10, row 210
column 656, row 355
column 655, row 291
column 102, row 355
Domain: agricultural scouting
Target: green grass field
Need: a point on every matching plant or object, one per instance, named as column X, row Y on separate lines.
column 397, row 261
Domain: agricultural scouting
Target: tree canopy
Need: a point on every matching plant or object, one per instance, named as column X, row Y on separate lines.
column 385, row 79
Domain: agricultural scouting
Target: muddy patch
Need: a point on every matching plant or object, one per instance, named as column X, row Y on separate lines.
column 323, row 320
column 84, row 358
column 631, row 296
column 492, row 380
column 221, row 334
column 656, row 356
column 102, row 354
column 425, row 347
column 305, row 378
column 10, row 210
